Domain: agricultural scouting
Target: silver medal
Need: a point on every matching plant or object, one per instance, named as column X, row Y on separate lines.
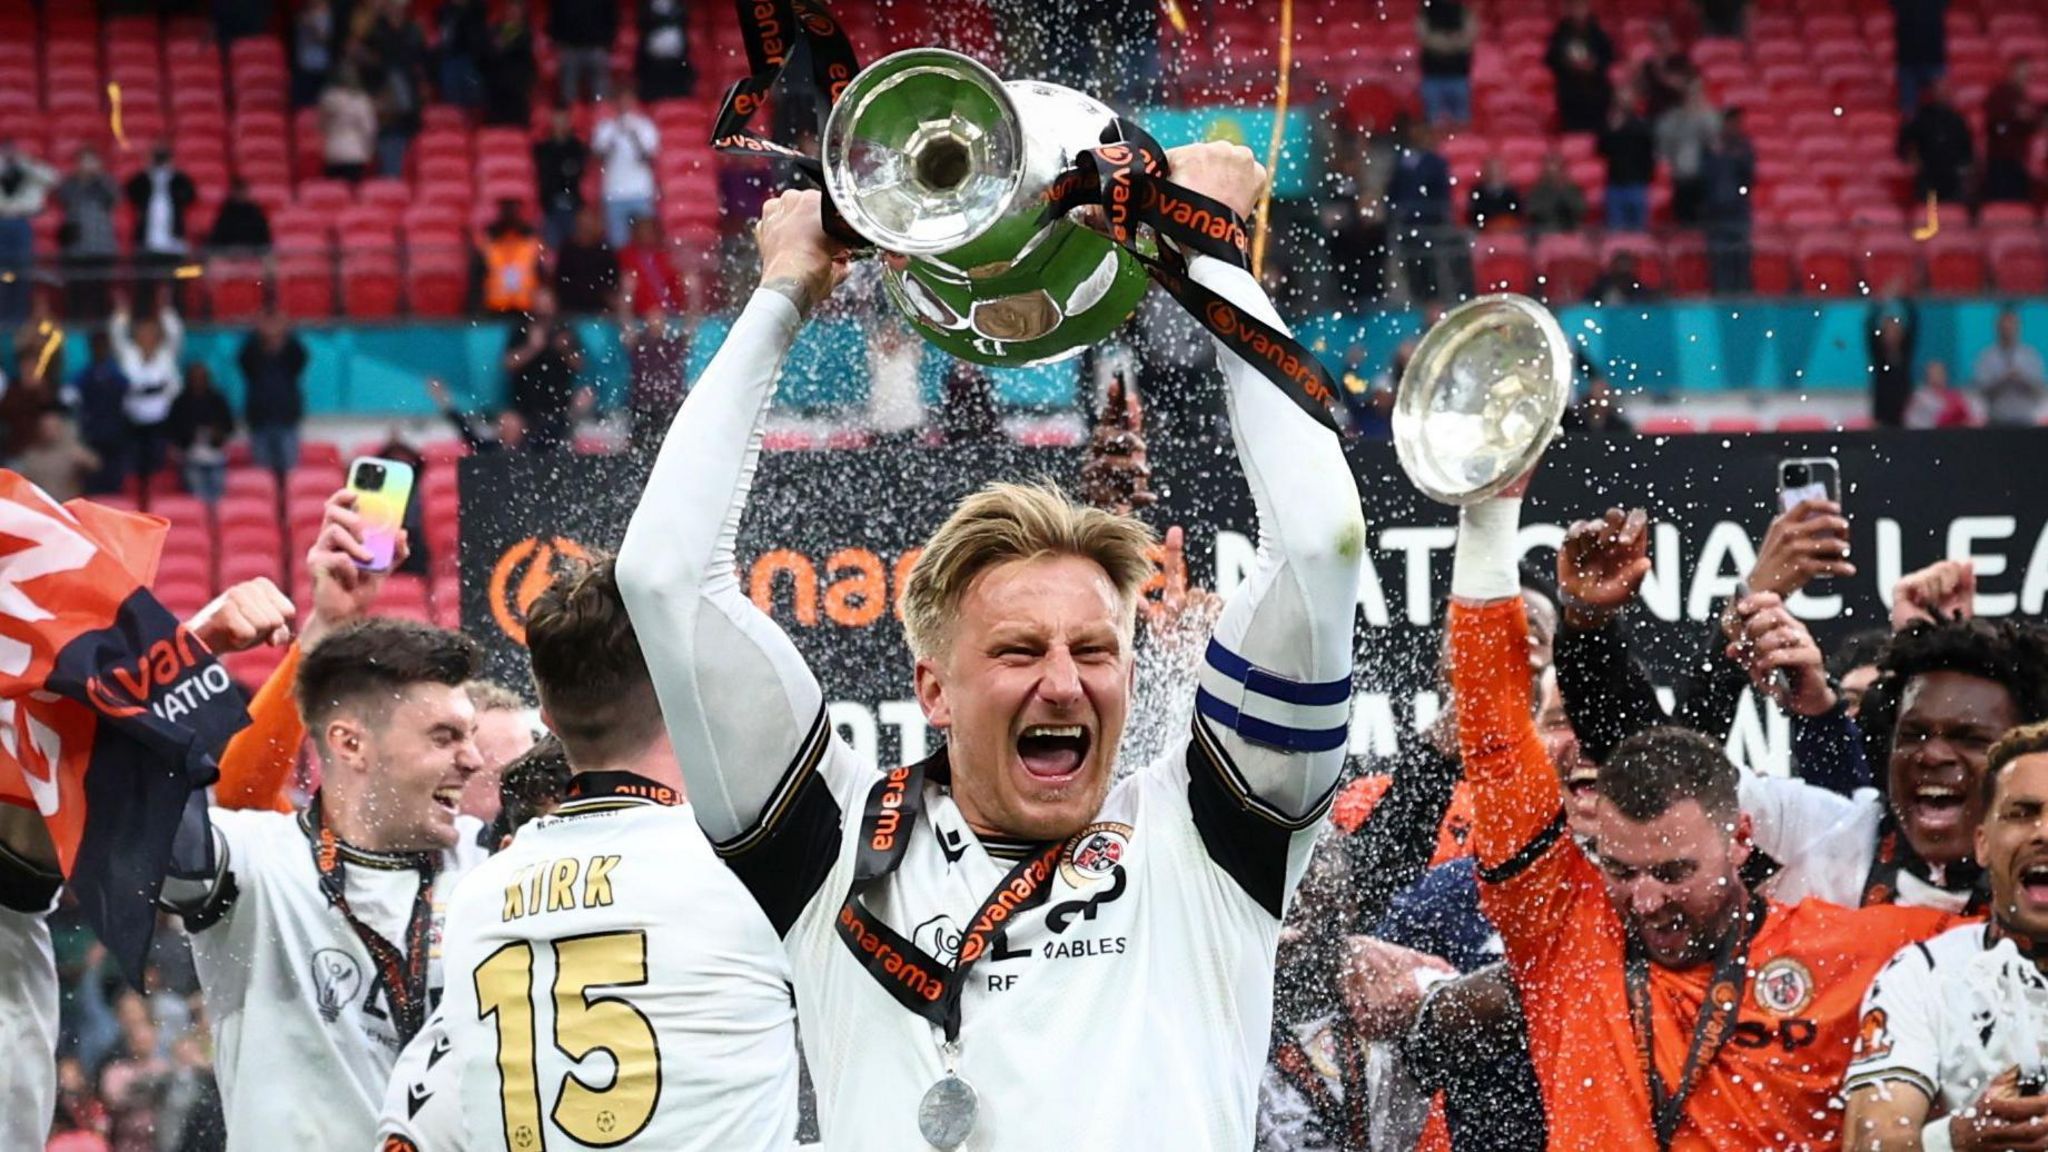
column 946, row 1114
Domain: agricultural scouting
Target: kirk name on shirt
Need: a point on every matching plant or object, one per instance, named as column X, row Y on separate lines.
column 559, row 885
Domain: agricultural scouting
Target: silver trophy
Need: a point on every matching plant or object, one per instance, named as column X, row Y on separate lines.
column 1482, row 398
column 931, row 156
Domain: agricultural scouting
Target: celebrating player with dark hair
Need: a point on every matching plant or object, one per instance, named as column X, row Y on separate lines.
column 953, row 922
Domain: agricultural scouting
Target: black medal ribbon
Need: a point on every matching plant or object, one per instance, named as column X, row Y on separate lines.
column 1350, row 1115
column 1894, row 855
column 1126, row 176
column 1716, row 1021
column 781, row 36
column 404, row 975
column 918, row 980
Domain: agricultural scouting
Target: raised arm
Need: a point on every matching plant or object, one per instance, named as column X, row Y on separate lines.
column 742, row 707
column 1276, row 684
column 1528, row 865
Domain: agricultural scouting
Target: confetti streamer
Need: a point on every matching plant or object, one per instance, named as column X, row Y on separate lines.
column 114, row 115
column 1260, row 217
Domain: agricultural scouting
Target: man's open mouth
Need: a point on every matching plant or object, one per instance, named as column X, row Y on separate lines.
column 2034, row 882
column 1938, row 807
column 1053, row 751
column 449, row 796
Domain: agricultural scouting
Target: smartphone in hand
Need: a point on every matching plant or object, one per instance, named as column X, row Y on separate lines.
column 383, row 488
column 1808, row 478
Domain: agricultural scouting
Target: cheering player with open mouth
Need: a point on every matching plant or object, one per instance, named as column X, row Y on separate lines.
column 996, row 948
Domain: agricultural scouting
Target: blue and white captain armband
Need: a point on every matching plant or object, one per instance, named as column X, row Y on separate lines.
column 1264, row 708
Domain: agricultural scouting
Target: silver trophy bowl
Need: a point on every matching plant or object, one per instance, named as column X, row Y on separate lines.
column 1482, row 398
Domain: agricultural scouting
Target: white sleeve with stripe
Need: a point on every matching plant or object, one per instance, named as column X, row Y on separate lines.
column 1275, row 688
column 737, row 696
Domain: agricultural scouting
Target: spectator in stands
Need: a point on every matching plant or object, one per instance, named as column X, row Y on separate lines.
column 1894, row 334
column 1684, row 136
column 658, row 347
column 968, row 413
column 1621, row 282
column 55, row 459
column 586, row 269
column 201, row 425
column 462, row 40
column 1667, row 73
column 1555, row 203
column 273, row 361
column 625, row 142
column 1727, row 184
column 394, row 51
column 1722, row 17
column 1494, row 202
column 511, row 256
column 559, row 161
column 1419, row 208
column 1938, row 404
column 1369, row 403
column 161, row 195
column 312, row 52
column 661, row 65
column 510, row 71
column 2010, row 121
column 348, row 126
column 1357, row 231
column 1937, row 143
column 241, row 226
column 1920, row 52
column 1630, row 149
column 1448, row 30
column 24, row 185
column 2008, row 377
column 100, row 390
column 648, row 280
column 543, row 359
column 1599, row 406
column 506, row 432
column 87, row 237
column 148, row 349
column 27, row 395
column 582, row 34
column 1578, row 57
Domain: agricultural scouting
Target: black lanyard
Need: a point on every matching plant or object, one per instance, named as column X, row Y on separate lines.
column 404, row 976
column 1894, row 855
column 918, row 980
column 1723, row 1003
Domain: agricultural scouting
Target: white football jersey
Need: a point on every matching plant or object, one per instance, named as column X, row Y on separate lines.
column 1949, row 1014
column 1825, row 843
column 610, row 982
column 1145, row 976
column 304, row 1039
column 421, row 1111
column 28, row 1029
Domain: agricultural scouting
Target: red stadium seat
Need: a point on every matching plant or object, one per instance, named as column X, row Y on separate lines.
column 1687, row 269
column 1888, row 258
column 1500, row 262
column 1955, row 262
column 305, row 285
column 370, row 284
column 437, row 283
column 1827, row 265
column 2019, row 263
column 1567, row 267
column 235, row 288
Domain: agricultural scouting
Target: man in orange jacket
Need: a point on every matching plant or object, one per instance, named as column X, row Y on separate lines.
column 1667, row 1006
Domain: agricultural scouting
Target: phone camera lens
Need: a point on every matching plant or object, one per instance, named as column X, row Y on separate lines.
column 1798, row 476
column 370, row 477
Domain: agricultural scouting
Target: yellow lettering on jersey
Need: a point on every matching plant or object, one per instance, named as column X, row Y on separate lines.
column 597, row 881
column 515, row 899
column 540, row 875
column 561, row 884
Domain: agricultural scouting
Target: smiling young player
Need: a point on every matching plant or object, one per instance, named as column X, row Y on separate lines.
column 312, row 935
column 998, row 947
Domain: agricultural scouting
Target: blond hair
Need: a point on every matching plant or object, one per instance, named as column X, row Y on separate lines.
column 1005, row 522
column 491, row 696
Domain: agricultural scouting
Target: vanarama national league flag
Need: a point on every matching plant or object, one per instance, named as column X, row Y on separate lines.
column 111, row 713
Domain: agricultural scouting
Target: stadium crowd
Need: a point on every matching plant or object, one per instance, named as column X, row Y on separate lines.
column 1455, row 920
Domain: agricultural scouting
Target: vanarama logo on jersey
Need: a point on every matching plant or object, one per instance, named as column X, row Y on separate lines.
column 170, row 678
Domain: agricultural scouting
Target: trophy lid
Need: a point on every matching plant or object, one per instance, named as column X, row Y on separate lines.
column 1481, row 398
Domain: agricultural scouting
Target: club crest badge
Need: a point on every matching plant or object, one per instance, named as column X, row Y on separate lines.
column 1094, row 852
column 1784, row 986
